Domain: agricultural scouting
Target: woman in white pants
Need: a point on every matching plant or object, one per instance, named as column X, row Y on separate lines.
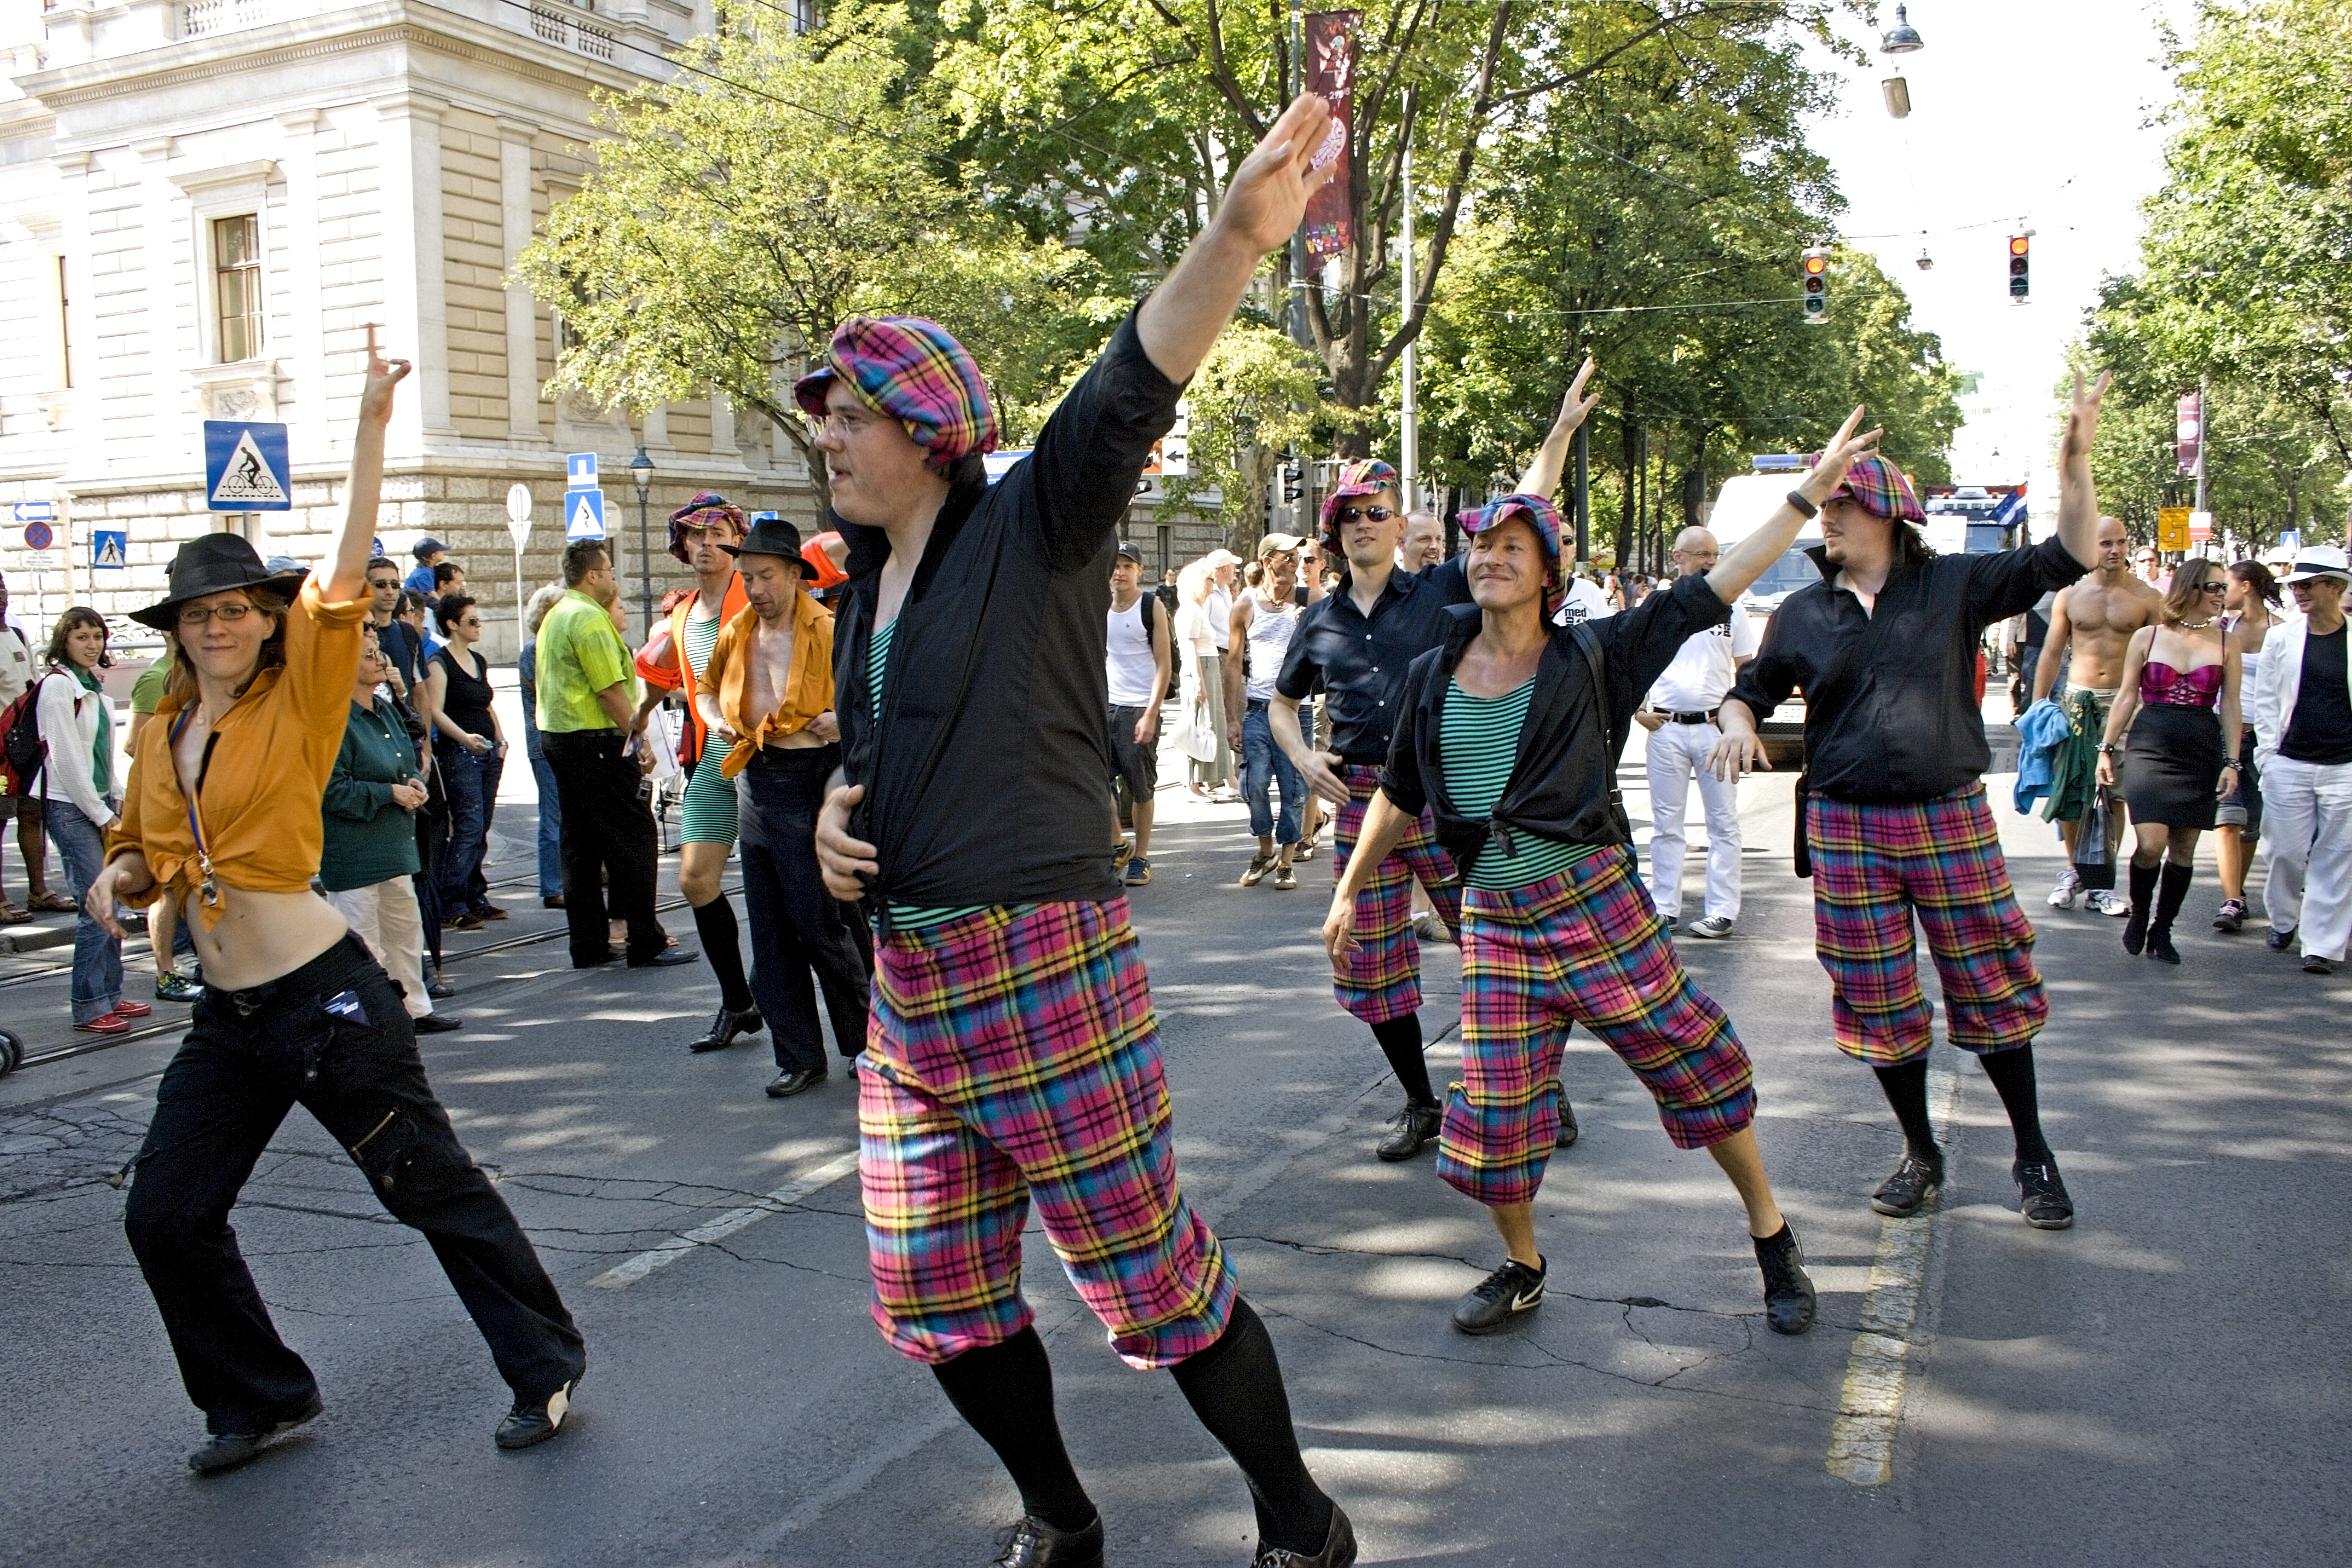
column 369, row 864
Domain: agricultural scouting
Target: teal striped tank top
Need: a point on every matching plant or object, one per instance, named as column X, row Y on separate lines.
column 1479, row 740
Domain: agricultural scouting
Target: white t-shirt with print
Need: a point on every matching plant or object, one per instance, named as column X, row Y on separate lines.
column 1703, row 672
column 1584, row 601
column 16, row 662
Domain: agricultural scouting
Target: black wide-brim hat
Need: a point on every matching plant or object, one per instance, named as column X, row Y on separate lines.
column 770, row 536
column 214, row 564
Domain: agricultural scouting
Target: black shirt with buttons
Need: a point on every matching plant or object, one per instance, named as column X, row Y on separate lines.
column 1362, row 659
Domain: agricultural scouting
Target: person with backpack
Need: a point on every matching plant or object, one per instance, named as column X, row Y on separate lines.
column 1508, row 738
column 17, row 679
column 79, row 791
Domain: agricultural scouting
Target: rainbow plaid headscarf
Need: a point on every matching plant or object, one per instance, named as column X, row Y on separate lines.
column 914, row 372
column 700, row 512
column 1364, row 477
column 1879, row 486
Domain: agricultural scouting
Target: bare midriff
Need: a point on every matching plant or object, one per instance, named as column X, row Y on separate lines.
column 261, row 936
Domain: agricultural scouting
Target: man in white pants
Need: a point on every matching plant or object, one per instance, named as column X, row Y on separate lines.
column 2302, row 714
column 1680, row 716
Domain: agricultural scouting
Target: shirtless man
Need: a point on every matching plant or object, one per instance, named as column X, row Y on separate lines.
column 766, row 694
column 2097, row 615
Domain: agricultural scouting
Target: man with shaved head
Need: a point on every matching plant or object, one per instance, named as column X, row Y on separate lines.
column 2092, row 623
column 1424, row 542
column 1680, row 715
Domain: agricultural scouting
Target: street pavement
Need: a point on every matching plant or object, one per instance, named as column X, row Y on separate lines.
column 2162, row 1385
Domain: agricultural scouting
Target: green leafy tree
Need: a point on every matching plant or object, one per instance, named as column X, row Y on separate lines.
column 1254, row 398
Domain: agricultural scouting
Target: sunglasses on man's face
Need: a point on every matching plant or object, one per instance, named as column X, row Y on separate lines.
column 1376, row 514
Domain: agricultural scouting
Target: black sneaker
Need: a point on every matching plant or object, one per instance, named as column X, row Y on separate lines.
column 1900, row 1195
column 2280, row 941
column 1566, row 1135
column 1410, row 1129
column 1034, row 1544
column 1503, row 1295
column 2041, row 1197
column 1789, row 1296
column 535, row 1420
column 227, row 1450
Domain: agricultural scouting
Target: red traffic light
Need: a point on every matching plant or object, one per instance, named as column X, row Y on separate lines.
column 2018, row 245
column 1817, row 264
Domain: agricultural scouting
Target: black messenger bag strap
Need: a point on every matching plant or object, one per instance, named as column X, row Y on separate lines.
column 1587, row 643
column 1841, row 673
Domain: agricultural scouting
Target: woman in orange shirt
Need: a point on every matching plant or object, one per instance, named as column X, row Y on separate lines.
column 222, row 817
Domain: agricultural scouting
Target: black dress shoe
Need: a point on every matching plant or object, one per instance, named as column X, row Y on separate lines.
column 2280, row 941
column 1900, row 1195
column 1338, row 1549
column 227, row 1450
column 440, row 989
column 1410, row 1129
column 667, row 958
column 1788, row 1298
column 1034, row 1544
column 787, row 1084
column 1568, row 1134
column 437, row 1024
column 2314, row 964
column 535, row 1420
column 725, row 1027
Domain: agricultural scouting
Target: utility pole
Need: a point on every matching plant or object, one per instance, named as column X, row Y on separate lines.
column 1409, row 446
column 1580, row 497
column 2204, row 437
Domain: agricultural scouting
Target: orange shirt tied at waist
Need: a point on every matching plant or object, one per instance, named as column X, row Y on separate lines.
column 808, row 684
column 266, row 767
column 685, row 676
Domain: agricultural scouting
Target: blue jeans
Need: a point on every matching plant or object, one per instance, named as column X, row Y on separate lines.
column 551, row 828
column 471, row 779
column 1263, row 764
column 97, row 957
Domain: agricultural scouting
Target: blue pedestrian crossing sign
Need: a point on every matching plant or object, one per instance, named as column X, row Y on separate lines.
column 584, row 514
column 110, row 550
column 246, row 466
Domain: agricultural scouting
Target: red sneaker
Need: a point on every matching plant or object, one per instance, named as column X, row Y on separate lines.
column 106, row 1024
column 132, row 1009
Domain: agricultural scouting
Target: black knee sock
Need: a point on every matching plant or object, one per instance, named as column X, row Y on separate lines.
column 1905, row 1086
column 1235, row 1388
column 2012, row 1072
column 1006, row 1392
column 715, row 923
column 1400, row 1041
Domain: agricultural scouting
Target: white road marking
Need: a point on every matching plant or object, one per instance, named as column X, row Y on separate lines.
column 622, row 1276
column 1862, row 1445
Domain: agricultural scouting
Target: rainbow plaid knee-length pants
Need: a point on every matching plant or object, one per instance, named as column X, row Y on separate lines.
column 1012, row 1055
column 1587, row 947
column 1873, row 866
column 1383, row 979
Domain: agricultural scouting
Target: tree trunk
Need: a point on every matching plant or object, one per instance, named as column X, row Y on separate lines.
column 1694, row 486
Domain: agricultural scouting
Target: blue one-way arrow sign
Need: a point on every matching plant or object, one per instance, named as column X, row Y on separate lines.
column 584, row 514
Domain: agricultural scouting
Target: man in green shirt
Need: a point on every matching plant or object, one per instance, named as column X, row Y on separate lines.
column 594, row 741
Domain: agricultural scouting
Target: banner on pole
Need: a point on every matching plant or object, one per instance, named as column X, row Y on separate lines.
column 2188, row 435
column 1331, row 71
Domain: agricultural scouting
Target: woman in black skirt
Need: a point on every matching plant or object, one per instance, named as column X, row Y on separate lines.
column 2178, row 697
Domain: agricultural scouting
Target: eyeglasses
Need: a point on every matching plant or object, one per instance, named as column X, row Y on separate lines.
column 2213, row 585
column 471, row 621
column 229, row 615
column 1376, row 514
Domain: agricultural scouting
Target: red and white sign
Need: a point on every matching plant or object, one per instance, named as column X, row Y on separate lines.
column 2188, row 435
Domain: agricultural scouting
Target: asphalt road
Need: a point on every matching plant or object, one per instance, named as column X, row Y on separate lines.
column 2162, row 1385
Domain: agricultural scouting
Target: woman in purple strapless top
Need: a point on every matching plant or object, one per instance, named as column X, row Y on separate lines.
column 2179, row 696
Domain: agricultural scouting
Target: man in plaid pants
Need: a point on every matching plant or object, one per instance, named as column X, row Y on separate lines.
column 1895, row 824
column 1013, row 1056
column 1509, row 738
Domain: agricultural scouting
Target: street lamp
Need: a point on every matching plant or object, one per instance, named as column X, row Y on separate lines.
column 1902, row 38
column 641, row 474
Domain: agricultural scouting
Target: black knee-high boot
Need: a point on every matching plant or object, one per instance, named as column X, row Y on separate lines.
column 2169, row 899
column 2143, row 894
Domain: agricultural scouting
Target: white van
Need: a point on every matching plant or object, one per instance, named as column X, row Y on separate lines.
column 1742, row 506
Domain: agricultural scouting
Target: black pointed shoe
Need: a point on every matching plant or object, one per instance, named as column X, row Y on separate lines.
column 1789, row 1298
column 727, row 1027
column 785, row 1085
column 535, row 1420
column 1569, row 1132
column 227, row 1450
column 1900, row 1195
column 2041, row 1198
column 1410, row 1129
column 1503, row 1295
column 1034, row 1544
column 1338, row 1549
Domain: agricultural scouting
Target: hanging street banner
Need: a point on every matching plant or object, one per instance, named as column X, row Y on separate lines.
column 110, row 550
column 584, row 514
column 246, row 466
column 1331, row 71
column 2189, row 432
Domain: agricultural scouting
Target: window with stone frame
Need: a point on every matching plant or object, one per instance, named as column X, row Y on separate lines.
column 236, row 286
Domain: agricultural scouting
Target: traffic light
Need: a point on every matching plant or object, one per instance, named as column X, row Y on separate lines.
column 1816, row 275
column 1290, row 484
column 2021, row 277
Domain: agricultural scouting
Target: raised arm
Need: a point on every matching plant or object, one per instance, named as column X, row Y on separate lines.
column 2078, row 498
column 1260, row 211
column 1542, row 475
column 1748, row 560
column 343, row 572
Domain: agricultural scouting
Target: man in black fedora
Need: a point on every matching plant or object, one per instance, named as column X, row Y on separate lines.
column 766, row 693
